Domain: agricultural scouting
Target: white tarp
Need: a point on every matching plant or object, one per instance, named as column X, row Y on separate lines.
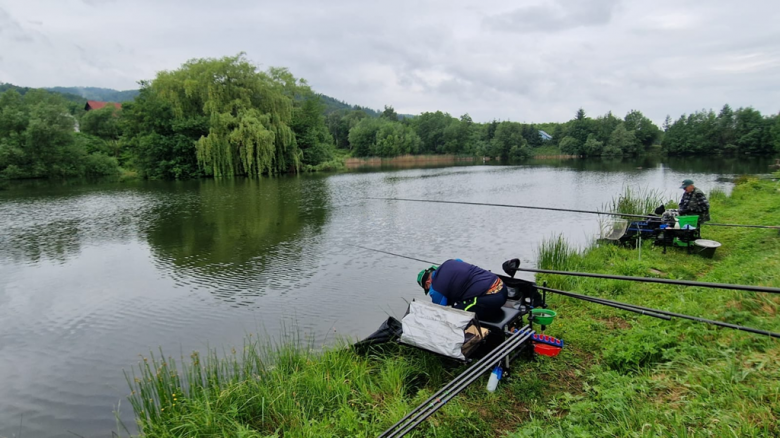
column 439, row 329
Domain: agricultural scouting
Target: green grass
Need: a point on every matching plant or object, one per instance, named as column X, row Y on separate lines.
column 547, row 151
column 621, row 374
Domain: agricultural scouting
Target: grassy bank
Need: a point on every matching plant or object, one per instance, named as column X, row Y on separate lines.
column 621, row 374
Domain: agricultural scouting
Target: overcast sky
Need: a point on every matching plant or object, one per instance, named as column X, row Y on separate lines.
column 527, row 61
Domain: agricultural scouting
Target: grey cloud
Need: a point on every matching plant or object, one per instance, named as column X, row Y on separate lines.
column 12, row 30
column 539, row 60
column 553, row 16
column 95, row 3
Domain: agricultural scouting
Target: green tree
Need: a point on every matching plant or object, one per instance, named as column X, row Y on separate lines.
column 775, row 130
column 311, row 133
column 162, row 145
column 37, row 139
column 751, row 132
column 570, row 146
column 508, row 141
column 103, row 124
column 644, row 129
column 604, row 126
column 622, row 142
column 393, row 139
column 341, row 122
column 389, row 114
column 727, row 130
column 430, row 127
column 362, row 137
column 592, row 147
column 249, row 114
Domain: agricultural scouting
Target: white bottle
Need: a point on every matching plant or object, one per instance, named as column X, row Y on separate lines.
column 495, row 376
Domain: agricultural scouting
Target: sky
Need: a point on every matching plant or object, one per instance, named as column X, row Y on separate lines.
column 525, row 61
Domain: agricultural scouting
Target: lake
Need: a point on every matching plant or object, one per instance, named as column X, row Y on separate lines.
column 93, row 275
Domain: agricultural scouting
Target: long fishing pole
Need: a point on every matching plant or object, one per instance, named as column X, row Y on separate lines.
column 610, row 303
column 442, row 396
column 663, row 312
column 531, row 207
column 771, row 290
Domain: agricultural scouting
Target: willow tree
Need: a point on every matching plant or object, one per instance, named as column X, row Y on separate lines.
column 249, row 114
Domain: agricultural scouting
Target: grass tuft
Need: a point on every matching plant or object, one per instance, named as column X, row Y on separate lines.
column 635, row 201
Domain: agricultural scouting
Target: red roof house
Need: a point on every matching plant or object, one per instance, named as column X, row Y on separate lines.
column 95, row 104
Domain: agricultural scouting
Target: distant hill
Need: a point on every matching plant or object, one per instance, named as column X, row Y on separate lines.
column 23, row 90
column 332, row 105
column 95, row 93
column 81, row 94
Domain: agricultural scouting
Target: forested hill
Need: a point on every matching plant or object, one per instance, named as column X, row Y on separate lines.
column 333, row 105
column 23, row 90
column 95, row 93
column 77, row 94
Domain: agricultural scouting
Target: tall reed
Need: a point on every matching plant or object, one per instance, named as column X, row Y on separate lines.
column 272, row 389
column 556, row 253
column 635, row 201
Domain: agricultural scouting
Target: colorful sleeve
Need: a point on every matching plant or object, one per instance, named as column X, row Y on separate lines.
column 436, row 297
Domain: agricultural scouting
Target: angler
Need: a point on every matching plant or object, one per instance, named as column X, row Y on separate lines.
column 506, row 335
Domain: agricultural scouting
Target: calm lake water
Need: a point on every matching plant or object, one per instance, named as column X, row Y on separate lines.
column 91, row 276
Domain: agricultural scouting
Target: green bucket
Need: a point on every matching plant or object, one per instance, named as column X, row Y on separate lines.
column 692, row 220
column 543, row 316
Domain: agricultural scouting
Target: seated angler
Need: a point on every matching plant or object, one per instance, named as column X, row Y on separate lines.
column 694, row 202
column 464, row 286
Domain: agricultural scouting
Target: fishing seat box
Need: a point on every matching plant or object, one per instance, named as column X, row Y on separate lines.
column 500, row 321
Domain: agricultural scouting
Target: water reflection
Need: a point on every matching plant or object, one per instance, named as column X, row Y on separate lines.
column 692, row 165
column 239, row 238
column 56, row 224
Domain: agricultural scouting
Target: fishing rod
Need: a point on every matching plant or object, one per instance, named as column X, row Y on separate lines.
column 610, row 303
column 772, row 290
column 466, row 378
column 663, row 312
column 530, row 207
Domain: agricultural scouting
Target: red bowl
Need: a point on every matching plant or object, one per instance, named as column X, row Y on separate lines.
column 547, row 350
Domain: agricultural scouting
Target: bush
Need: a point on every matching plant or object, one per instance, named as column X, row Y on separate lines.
column 98, row 164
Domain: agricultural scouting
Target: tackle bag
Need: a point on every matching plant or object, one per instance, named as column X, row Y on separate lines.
column 450, row 332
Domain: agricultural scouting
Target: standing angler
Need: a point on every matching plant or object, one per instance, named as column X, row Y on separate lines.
column 694, row 202
column 464, row 286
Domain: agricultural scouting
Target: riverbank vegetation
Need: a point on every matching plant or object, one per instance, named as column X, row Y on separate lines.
column 225, row 117
column 621, row 374
column 37, row 139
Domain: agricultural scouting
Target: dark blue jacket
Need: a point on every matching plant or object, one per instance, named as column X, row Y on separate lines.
column 456, row 280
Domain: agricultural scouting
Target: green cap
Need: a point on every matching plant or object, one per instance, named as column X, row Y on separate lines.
column 686, row 183
column 422, row 277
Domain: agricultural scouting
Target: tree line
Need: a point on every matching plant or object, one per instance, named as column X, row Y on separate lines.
column 224, row 118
